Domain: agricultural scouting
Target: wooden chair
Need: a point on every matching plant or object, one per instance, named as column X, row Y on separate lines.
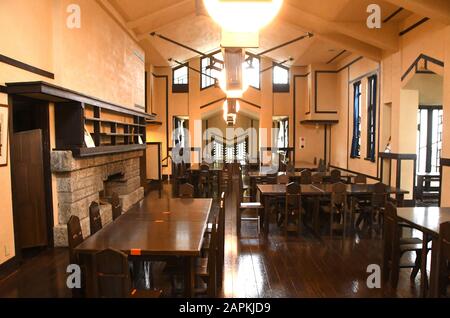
column 225, row 179
column 204, row 180
column 186, row 191
column 335, row 176
column 206, row 266
column 271, row 178
column 317, row 178
column 290, row 169
column 373, row 209
column 246, row 206
column 75, row 238
column 95, row 220
column 394, row 246
column 360, row 179
column 283, row 179
column 293, row 208
column 113, row 277
column 443, row 260
column 306, row 177
column 221, row 241
column 321, row 167
column 337, row 209
column 116, row 206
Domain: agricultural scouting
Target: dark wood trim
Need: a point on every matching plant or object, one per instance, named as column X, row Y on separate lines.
column 325, row 144
column 26, row 67
column 412, row 27
column 3, row 89
column 213, row 102
column 319, row 122
column 350, row 64
column 355, row 172
column 337, row 56
column 309, row 35
column 397, row 156
column 249, row 103
column 53, row 93
column 427, row 60
column 445, row 162
column 392, row 15
column 8, row 266
column 368, row 74
column 145, row 93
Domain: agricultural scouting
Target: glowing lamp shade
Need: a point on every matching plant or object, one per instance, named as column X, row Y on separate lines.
column 243, row 16
column 234, row 92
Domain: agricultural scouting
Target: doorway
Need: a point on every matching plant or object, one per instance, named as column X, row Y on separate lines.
column 31, row 175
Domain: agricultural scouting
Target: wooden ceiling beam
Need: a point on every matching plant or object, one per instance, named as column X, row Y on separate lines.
column 438, row 10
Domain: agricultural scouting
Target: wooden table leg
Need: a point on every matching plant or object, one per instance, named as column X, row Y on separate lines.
column 434, row 270
column 266, row 215
column 316, row 216
column 189, row 277
column 423, row 266
column 400, row 199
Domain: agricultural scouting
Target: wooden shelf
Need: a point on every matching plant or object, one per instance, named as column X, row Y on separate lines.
column 121, row 134
column 107, row 121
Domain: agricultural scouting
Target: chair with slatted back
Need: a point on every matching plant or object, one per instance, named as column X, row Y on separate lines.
column 306, row 177
column 255, row 207
column 372, row 210
column 360, row 179
column 283, row 179
column 337, row 209
column 186, row 191
column 322, row 166
column 292, row 208
column 204, row 181
column 116, row 206
column 75, row 238
column 221, row 241
column 317, row 178
column 335, row 176
column 225, row 179
column 290, row 169
column 443, row 261
column 279, row 203
column 206, row 267
column 113, row 277
column 95, row 220
column 394, row 246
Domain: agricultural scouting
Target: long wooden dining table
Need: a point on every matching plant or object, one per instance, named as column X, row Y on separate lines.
column 254, row 176
column 268, row 191
column 154, row 230
column 427, row 220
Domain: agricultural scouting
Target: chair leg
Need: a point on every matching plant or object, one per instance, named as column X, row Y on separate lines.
column 417, row 264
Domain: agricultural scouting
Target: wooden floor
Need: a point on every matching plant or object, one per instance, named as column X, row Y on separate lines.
column 300, row 266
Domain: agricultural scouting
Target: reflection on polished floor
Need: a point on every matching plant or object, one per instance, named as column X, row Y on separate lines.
column 299, row 266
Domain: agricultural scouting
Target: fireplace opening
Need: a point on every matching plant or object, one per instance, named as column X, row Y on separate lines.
column 112, row 184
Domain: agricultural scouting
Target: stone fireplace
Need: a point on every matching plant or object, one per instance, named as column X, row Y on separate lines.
column 79, row 181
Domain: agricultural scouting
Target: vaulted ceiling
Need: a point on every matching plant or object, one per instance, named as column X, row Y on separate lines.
column 337, row 25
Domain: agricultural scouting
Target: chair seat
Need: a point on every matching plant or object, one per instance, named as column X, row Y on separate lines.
column 251, row 205
column 145, row 293
column 201, row 267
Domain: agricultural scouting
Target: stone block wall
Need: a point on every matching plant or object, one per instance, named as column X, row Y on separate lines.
column 80, row 180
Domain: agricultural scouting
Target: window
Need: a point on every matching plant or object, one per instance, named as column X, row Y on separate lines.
column 371, row 117
column 283, row 133
column 429, row 139
column 180, row 79
column 180, row 126
column 211, row 69
column 253, row 71
column 356, row 141
column 280, row 79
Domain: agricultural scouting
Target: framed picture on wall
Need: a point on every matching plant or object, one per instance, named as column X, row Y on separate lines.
column 3, row 135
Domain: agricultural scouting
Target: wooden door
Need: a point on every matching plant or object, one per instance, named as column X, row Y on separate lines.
column 29, row 194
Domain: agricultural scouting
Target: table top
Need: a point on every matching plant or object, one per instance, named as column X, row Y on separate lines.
column 425, row 219
column 297, row 174
column 324, row 189
column 212, row 167
column 159, row 227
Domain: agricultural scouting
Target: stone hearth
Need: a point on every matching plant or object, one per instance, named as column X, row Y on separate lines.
column 79, row 181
